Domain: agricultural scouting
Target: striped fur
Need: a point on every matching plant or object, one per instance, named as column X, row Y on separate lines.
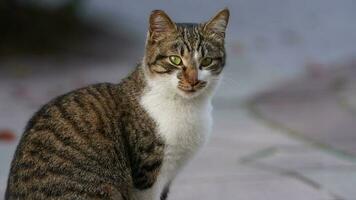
column 93, row 143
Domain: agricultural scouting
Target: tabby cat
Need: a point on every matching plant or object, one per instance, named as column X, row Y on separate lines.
column 127, row 140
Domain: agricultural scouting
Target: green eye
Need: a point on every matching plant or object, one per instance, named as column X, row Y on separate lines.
column 206, row 61
column 176, row 60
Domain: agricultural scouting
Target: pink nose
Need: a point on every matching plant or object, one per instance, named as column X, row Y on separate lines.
column 190, row 74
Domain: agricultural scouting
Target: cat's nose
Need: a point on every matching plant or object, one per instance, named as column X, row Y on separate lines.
column 191, row 75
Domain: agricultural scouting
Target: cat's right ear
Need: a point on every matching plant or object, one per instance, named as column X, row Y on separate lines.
column 160, row 25
column 217, row 25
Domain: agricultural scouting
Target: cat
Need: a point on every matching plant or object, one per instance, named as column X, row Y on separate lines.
column 128, row 140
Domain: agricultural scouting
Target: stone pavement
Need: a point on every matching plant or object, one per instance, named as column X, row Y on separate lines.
column 320, row 108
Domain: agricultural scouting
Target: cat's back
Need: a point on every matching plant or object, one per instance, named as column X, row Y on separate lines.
column 71, row 144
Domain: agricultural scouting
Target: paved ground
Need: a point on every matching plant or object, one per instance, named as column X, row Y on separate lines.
column 318, row 108
column 284, row 117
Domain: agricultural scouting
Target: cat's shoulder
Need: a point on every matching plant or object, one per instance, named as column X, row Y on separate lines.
column 98, row 91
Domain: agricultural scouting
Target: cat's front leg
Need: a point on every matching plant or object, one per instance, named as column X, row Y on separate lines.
column 145, row 178
column 164, row 194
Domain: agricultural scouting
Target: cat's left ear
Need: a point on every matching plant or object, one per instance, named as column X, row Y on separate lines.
column 160, row 25
column 217, row 25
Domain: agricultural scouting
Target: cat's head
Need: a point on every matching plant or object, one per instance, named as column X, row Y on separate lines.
column 185, row 59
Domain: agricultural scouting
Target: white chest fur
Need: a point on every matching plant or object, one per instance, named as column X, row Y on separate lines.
column 183, row 124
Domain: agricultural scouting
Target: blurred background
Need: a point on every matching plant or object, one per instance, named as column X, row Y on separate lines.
column 285, row 113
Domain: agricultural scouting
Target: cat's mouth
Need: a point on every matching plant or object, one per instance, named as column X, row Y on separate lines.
column 190, row 89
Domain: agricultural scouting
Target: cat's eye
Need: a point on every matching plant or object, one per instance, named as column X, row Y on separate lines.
column 206, row 61
column 175, row 60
